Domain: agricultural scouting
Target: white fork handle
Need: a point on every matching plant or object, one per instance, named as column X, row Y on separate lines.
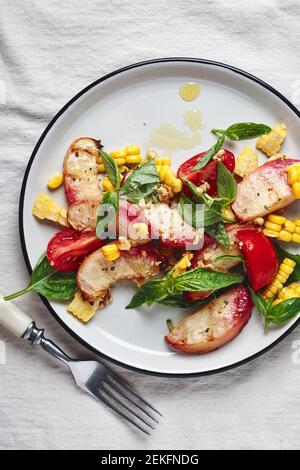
column 12, row 318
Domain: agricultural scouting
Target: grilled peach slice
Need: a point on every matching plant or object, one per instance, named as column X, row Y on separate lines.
column 264, row 190
column 96, row 274
column 214, row 325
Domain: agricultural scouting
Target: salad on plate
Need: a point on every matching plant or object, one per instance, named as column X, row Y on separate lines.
column 208, row 238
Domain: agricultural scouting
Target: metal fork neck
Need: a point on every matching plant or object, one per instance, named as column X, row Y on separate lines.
column 35, row 336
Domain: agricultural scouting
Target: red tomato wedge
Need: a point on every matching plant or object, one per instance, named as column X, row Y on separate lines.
column 68, row 248
column 206, row 174
column 260, row 257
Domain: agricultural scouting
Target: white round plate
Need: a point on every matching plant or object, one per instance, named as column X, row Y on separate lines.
column 125, row 107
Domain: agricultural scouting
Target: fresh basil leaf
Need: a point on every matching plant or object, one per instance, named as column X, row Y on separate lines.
column 201, row 279
column 222, row 258
column 262, row 305
column 278, row 314
column 210, row 153
column 52, row 284
column 212, row 209
column 226, row 183
column 219, row 233
column 111, row 168
column 178, row 301
column 198, row 279
column 111, row 200
column 284, row 311
column 170, row 324
column 283, row 253
column 141, row 183
column 243, row 130
column 196, row 215
column 152, row 291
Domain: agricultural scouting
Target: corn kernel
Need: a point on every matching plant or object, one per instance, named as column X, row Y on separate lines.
column 270, row 233
column 123, row 168
column 289, row 226
column 177, row 185
column 297, row 222
column 277, row 284
column 293, row 173
column 169, row 176
column 118, row 153
column 130, row 159
column 273, row 227
column 111, row 251
column 296, row 238
column 271, row 143
column 296, row 189
column 162, row 172
column 268, row 294
column 107, row 184
column 182, row 265
column 82, row 309
column 280, row 277
column 285, row 270
column 101, row 168
column 284, row 236
column 246, row 162
column 277, row 219
column 289, row 262
column 120, row 161
column 45, row 208
column 55, row 181
column 132, row 150
column 162, row 161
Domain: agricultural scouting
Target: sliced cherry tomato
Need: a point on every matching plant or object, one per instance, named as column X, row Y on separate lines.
column 260, row 257
column 67, row 248
column 206, row 174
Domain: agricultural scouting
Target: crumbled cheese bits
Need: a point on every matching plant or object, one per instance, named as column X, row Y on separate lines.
column 45, row 208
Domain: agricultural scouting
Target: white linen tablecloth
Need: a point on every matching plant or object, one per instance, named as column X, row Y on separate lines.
column 49, row 51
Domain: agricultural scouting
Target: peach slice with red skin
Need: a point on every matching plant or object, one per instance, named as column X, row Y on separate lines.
column 214, row 325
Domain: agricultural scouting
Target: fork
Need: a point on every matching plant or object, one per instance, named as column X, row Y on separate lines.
column 92, row 377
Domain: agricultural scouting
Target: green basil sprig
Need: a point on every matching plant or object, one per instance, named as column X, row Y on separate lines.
column 52, row 284
column 213, row 206
column 210, row 153
column 111, row 168
column 282, row 253
column 238, row 131
column 198, row 279
column 141, row 183
column 243, row 130
column 111, row 200
column 278, row 314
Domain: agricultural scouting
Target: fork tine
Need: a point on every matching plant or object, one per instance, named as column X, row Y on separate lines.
column 107, row 402
column 124, row 382
column 113, row 395
column 124, row 392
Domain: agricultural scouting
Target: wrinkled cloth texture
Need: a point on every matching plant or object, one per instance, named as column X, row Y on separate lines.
column 48, row 52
